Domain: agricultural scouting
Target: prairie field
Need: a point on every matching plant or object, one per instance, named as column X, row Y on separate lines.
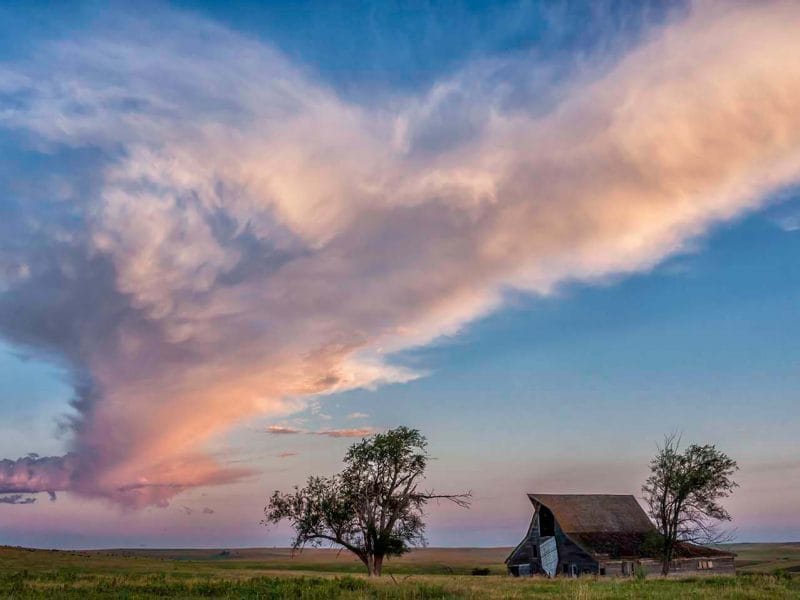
column 767, row 571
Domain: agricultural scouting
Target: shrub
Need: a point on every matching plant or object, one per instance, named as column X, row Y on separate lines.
column 782, row 575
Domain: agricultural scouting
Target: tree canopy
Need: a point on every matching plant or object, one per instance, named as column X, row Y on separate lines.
column 684, row 493
column 374, row 508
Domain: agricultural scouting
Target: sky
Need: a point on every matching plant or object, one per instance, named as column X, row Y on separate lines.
column 236, row 237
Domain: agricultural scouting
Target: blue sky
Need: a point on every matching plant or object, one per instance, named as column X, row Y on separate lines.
column 139, row 271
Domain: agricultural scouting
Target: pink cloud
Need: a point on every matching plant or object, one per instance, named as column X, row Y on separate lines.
column 281, row 430
column 34, row 473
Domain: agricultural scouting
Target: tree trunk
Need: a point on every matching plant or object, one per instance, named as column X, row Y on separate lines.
column 667, row 557
column 374, row 565
column 365, row 560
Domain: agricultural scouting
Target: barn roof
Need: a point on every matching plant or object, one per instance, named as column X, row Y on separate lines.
column 594, row 513
column 622, row 545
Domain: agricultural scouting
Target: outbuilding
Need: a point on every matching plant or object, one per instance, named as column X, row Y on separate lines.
column 601, row 534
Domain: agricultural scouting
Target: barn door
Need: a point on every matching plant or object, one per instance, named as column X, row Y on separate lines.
column 549, row 553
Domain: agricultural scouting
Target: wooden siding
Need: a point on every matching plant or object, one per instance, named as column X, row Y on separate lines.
column 713, row 565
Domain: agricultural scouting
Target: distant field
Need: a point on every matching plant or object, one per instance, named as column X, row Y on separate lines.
column 763, row 558
column 430, row 561
column 767, row 557
column 426, row 573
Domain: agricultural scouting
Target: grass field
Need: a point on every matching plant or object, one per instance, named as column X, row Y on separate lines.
column 427, row 573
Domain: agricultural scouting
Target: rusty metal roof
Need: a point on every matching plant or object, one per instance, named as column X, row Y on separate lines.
column 594, row 513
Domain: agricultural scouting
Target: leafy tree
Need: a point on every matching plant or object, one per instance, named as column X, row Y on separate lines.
column 683, row 494
column 373, row 508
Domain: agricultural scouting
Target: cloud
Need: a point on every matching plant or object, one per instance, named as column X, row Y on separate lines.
column 340, row 433
column 17, row 499
column 789, row 223
column 287, row 454
column 200, row 233
column 208, row 511
column 281, row 430
column 358, row 415
column 33, row 473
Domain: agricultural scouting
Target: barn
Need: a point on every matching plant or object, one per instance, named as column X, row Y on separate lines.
column 601, row 534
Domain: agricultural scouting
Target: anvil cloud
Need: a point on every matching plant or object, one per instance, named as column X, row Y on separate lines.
column 204, row 233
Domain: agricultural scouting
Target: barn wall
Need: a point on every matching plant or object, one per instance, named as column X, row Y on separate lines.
column 612, row 568
column 682, row 566
column 713, row 565
column 534, row 540
column 522, row 555
column 526, row 553
column 570, row 553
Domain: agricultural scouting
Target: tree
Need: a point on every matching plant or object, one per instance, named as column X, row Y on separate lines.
column 373, row 508
column 683, row 494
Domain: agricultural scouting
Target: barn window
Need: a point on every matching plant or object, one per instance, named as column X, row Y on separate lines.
column 547, row 524
column 535, row 551
column 705, row 564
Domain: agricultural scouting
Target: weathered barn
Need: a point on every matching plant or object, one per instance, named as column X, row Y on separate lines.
column 576, row 534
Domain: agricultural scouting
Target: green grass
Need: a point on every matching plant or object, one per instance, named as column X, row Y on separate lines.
column 429, row 573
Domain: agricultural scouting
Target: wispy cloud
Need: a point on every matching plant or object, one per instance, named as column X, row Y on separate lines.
column 352, row 432
column 281, row 430
column 287, row 454
column 789, row 223
column 208, row 511
column 208, row 234
column 358, row 415
column 340, row 433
